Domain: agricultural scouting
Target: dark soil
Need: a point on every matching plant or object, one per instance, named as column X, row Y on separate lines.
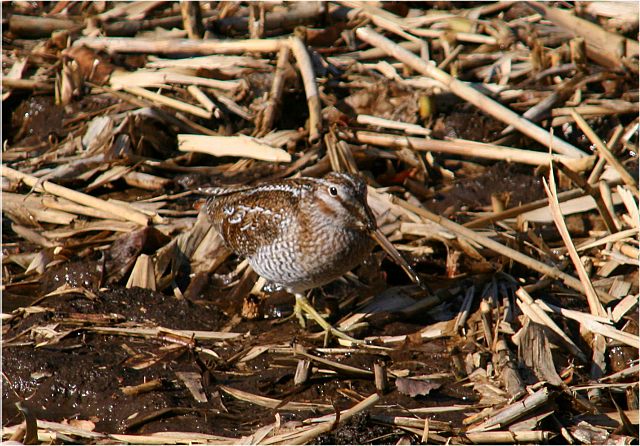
column 82, row 375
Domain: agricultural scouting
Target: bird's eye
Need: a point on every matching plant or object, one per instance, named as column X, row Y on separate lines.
column 333, row 191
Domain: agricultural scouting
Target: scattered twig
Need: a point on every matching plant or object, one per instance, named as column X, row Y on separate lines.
column 305, row 66
column 118, row 210
column 468, row 93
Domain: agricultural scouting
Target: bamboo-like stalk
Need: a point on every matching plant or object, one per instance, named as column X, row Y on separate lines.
column 536, row 314
column 388, row 247
column 514, row 411
column 606, row 153
column 180, row 46
column 202, row 98
column 624, row 306
column 519, row 257
column 120, row 211
column 382, row 18
column 344, row 416
column 158, row 331
column 629, row 371
column 65, row 205
column 596, row 110
column 149, row 78
column 605, row 47
column 470, row 149
column 597, row 170
column 32, row 236
column 390, row 124
column 594, row 303
column 192, row 19
column 272, row 402
column 343, row 368
column 609, row 239
column 148, row 386
column 241, row 145
column 515, row 211
column 536, row 437
column 277, row 87
column 310, row 87
column 26, row 84
column 169, row 102
column 459, row 36
column 470, row 94
column 593, row 324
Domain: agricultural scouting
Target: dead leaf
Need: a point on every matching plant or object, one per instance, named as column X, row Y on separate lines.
column 415, row 387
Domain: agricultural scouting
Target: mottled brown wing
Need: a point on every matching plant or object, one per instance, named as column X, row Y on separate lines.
column 247, row 221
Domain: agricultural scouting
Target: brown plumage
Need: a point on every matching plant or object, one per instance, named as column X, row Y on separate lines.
column 300, row 233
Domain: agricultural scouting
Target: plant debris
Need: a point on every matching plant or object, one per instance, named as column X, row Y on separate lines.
column 499, row 142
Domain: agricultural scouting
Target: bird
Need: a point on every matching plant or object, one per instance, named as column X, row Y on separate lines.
column 299, row 233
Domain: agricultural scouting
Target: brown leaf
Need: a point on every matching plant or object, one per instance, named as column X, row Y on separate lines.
column 415, row 387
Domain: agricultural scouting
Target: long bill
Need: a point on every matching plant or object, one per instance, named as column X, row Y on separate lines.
column 391, row 250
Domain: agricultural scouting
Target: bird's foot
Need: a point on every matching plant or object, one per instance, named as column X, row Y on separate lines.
column 304, row 308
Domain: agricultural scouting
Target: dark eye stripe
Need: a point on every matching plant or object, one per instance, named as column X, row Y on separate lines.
column 354, row 209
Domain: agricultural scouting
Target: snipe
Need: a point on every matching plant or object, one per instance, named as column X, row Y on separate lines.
column 300, row 233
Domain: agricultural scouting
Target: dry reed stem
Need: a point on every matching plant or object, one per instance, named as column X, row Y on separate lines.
column 518, row 210
column 202, row 98
column 390, row 124
column 150, row 78
column 155, row 332
column 192, row 19
column 160, row 438
column 624, row 306
column 299, row 50
column 457, row 35
column 34, row 208
column 391, row 250
column 595, row 306
column 536, row 313
column 632, row 370
column 272, row 403
column 277, row 88
column 147, row 386
column 497, row 437
column 509, row 414
column 180, row 46
column 382, row 18
column 469, row 94
column 329, row 425
column 632, row 207
column 169, row 102
column 606, row 153
column 119, row 211
column 241, row 146
column 605, row 47
column 465, row 309
column 598, row 169
column 470, row 149
column 27, row 84
column 344, row 368
column 61, row 428
column 594, row 324
column 519, row 257
column 620, row 235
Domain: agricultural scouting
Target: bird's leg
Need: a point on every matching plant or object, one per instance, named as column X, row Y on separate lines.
column 297, row 310
column 303, row 307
